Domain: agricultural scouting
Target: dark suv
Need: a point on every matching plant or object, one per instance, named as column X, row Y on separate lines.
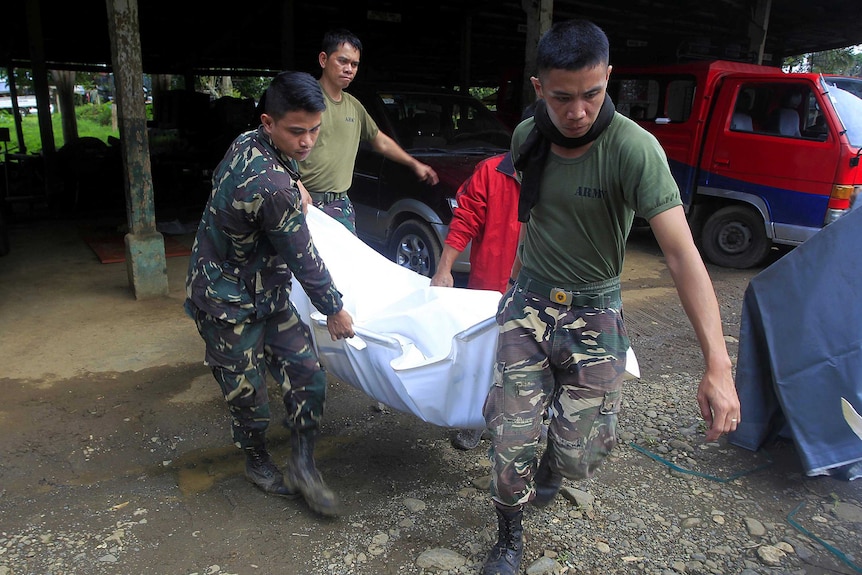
column 403, row 218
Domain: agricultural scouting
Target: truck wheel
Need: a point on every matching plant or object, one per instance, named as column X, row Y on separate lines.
column 413, row 246
column 734, row 237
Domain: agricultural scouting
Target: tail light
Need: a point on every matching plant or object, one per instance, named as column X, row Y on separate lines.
column 839, row 201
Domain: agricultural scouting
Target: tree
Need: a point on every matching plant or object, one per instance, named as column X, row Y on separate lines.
column 250, row 86
column 843, row 61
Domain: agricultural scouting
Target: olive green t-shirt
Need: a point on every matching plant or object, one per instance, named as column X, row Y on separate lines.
column 578, row 229
column 329, row 166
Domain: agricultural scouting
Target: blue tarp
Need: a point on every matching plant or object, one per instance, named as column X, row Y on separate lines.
column 800, row 351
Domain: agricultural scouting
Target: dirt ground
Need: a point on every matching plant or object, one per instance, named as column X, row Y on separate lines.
column 116, row 453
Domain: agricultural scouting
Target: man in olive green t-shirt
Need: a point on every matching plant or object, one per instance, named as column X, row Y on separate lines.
column 328, row 173
column 586, row 172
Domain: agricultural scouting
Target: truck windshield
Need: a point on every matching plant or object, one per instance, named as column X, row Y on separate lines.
column 846, row 96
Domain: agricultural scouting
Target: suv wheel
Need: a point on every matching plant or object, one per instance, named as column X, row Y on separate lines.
column 414, row 246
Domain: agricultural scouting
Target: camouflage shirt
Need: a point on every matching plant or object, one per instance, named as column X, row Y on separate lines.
column 253, row 237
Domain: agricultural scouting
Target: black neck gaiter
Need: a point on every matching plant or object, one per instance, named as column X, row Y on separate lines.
column 534, row 150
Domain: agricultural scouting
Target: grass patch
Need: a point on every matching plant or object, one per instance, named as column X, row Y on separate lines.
column 93, row 120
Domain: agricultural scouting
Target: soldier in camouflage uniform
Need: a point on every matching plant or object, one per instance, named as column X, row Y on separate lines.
column 251, row 240
column 585, row 173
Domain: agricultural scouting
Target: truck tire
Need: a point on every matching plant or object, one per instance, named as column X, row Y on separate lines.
column 414, row 246
column 735, row 237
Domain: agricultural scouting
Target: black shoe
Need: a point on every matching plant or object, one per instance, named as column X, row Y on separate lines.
column 303, row 475
column 260, row 470
column 547, row 481
column 505, row 556
column 466, row 439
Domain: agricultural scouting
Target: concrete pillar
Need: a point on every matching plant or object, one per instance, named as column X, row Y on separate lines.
column 64, row 80
column 40, row 80
column 758, row 29
column 146, row 264
column 540, row 14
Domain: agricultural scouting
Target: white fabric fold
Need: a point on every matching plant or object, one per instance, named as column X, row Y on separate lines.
column 424, row 350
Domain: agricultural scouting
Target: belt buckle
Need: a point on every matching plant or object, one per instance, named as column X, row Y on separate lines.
column 561, row 296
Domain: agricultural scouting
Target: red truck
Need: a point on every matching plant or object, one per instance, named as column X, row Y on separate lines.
column 761, row 156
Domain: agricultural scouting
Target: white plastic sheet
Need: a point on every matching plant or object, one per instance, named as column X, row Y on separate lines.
column 424, row 350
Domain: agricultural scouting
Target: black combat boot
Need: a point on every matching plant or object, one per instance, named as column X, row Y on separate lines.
column 466, row 439
column 547, row 480
column 505, row 556
column 303, row 475
column 260, row 470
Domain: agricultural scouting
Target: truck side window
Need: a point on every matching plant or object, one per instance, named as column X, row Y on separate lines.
column 815, row 123
column 784, row 120
column 786, row 109
column 741, row 120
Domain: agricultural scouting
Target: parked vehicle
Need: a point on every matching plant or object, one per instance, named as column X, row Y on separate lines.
column 403, row 218
column 761, row 156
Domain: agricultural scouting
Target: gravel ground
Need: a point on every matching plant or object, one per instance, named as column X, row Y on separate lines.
column 117, row 472
column 665, row 503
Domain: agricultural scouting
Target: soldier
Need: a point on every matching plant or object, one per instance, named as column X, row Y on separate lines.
column 585, row 173
column 251, row 240
column 329, row 173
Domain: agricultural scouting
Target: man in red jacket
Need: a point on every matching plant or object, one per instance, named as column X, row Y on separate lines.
column 487, row 215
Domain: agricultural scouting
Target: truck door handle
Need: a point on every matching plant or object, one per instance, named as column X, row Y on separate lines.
column 722, row 162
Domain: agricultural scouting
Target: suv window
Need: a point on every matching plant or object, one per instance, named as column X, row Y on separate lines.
column 402, row 217
column 438, row 120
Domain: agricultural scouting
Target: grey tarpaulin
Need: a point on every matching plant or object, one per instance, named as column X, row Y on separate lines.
column 800, row 351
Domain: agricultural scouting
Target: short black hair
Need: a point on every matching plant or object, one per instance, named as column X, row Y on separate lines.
column 333, row 39
column 290, row 91
column 572, row 45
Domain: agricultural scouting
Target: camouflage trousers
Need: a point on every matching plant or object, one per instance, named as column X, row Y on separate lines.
column 340, row 209
column 239, row 356
column 560, row 361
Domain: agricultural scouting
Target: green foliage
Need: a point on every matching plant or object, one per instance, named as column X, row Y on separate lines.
column 481, row 92
column 23, row 79
column 99, row 114
column 250, row 86
column 89, row 80
column 486, row 95
column 92, row 121
column 843, row 61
